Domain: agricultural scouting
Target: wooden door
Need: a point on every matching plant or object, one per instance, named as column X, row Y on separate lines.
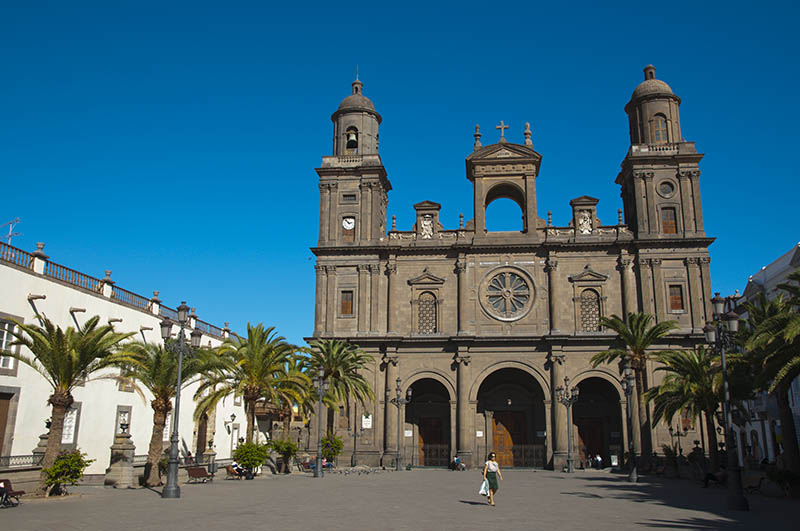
column 508, row 429
column 202, row 430
column 590, row 438
column 430, row 433
column 5, row 404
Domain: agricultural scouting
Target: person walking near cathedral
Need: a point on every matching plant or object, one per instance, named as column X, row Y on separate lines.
column 491, row 471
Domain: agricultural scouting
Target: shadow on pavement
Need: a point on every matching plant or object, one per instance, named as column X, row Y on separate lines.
column 473, row 502
column 692, row 523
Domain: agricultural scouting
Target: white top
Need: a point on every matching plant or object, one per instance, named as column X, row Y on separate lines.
column 491, row 466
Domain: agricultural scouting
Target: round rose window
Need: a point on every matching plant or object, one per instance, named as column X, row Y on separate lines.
column 507, row 294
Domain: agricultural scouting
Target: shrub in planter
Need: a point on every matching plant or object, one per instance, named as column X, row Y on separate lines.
column 251, row 456
column 287, row 450
column 670, row 461
column 67, row 469
column 331, row 447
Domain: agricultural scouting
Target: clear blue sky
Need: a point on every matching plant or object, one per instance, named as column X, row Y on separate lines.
column 175, row 143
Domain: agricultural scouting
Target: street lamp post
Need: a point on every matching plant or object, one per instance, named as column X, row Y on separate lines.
column 399, row 401
column 172, row 490
column 678, row 435
column 358, row 431
column 628, row 383
column 568, row 396
column 723, row 338
column 322, row 384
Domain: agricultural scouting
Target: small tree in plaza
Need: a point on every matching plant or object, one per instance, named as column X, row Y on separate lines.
column 690, row 386
column 67, row 469
column 66, row 358
column 635, row 338
column 156, row 369
column 342, row 364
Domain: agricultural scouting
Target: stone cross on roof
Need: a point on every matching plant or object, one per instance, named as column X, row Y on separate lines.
column 502, row 128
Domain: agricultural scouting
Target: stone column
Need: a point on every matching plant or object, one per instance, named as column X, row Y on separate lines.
column 687, row 205
column 465, row 436
column 374, row 305
column 642, row 224
column 705, row 262
column 552, row 285
column 695, row 294
column 559, row 413
column 488, row 415
column 366, row 217
column 694, row 176
column 453, row 429
column 646, row 283
column 120, row 474
column 333, row 214
column 39, row 258
column 330, row 301
column 650, row 189
column 319, row 307
column 463, row 294
column 324, row 192
column 661, row 305
column 390, row 414
column 391, row 280
column 363, row 290
column 628, row 287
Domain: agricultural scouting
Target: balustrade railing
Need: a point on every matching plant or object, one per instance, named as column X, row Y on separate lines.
column 349, row 158
column 129, row 297
column 21, row 461
column 139, row 460
column 169, row 313
column 70, row 276
column 208, row 328
column 15, row 256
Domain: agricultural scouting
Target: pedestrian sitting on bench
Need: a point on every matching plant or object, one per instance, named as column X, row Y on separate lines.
column 239, row 469
column 3, row 494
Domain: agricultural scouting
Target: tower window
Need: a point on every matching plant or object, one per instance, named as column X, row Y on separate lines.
column 346, row 304
column 669, row 224
column 427, row 313
column 351, row 140
column 660, row 129
column 676, row 298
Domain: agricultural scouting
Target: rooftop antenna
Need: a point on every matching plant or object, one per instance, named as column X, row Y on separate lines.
column 11, row 232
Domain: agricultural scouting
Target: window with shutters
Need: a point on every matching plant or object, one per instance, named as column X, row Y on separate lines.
column 6, row 327
column 346, row 303
column 669, row 223
column 590, row 311
column 676, row 298
column 660, row 129
column 426, row 320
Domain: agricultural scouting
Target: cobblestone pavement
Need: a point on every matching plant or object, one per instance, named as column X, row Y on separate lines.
column 435, row 500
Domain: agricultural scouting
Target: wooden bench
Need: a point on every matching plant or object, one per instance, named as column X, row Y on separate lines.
column 11, row 499
column 199, row 473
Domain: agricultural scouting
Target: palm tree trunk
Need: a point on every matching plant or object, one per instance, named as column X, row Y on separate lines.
column 251, row 419
column 60, row 402
column 791, row 455
column 330, row 422
column 644, row 424
column 713, row 453
column 152, row 477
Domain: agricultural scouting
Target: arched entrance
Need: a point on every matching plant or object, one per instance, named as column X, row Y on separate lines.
column 429, row 414
column 512, row 403
column 598, row 418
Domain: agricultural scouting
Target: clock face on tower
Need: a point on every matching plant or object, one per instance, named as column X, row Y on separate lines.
column 348, row 223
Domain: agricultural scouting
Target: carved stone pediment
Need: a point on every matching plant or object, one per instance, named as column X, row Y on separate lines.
column 503, row 151
column 588, row 275
column 426, row 278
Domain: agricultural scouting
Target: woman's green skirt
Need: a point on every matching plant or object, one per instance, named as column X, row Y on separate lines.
column 491, row 477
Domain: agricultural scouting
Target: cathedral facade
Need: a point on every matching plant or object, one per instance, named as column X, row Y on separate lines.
column 478, row 329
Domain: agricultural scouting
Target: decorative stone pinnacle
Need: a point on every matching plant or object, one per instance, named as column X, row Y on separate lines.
column 394, row 222
column 461, row 220
column 107, row 278
column 619, row 216
column 155, row 297
column 549, row 218
column 502, row 127
column 477, row 136
column 527, row 133
column 39, row 252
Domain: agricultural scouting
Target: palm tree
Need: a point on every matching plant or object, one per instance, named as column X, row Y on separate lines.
column 294, row 390
column 341, row 364
column 254, row 368
column 156, row 369
column 636, row 336
column 771, row 339
column 66, row 358
column 690, row 387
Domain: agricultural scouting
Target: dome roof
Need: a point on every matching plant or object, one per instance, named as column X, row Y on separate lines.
column 356, row 100
column 651, row 86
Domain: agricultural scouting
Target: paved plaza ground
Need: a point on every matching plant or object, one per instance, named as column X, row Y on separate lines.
column 436, row 500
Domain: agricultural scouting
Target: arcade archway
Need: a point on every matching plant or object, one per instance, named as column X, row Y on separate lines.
column 598, row 418
column 512, row 403
column 428, row 414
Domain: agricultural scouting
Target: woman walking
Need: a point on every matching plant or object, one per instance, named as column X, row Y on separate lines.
column 491, row 471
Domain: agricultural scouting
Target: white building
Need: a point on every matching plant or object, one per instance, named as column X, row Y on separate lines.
column 30, row 283
column 760, row 437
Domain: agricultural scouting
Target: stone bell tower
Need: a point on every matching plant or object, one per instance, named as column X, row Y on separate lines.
column 660, row 174
column 353, row 184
